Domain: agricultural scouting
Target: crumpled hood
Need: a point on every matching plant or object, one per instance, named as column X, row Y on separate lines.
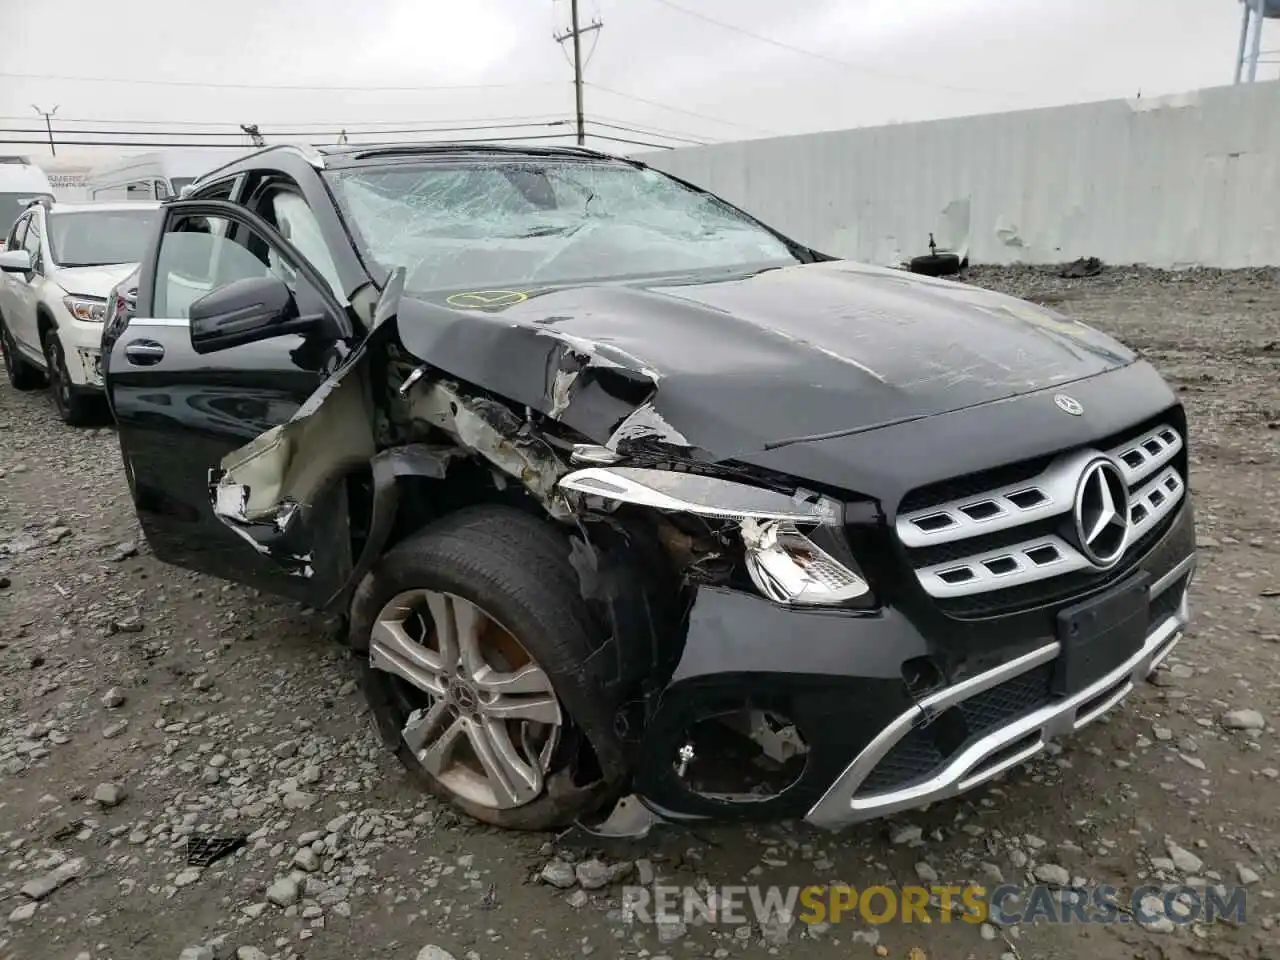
column 92, row 281
column 732, row 364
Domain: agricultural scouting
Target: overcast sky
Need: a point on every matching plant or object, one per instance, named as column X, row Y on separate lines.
column 330, row 64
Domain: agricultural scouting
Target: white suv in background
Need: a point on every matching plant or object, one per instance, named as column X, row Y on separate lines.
column 59, row 264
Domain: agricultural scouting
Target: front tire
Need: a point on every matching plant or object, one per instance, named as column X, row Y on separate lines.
column 74, row 409
column 473, row 627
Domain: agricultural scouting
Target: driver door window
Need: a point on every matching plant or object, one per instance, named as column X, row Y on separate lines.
column 197, row 255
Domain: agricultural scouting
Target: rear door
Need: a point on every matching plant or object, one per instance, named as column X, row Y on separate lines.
column 10, row 282
column 179, row 413
column 25, row 289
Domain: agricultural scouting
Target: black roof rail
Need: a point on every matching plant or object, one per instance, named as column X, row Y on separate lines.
column 304, row 150
column 364, row 151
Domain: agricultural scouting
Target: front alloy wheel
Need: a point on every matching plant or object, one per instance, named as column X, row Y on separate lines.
column 488, row 722
column 476, row 633
column 73, row 409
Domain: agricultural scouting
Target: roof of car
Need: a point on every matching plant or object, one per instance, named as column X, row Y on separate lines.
column 352, row 154
column 102, row 206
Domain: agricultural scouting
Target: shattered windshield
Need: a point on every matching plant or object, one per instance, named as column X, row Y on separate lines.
column 492, row 224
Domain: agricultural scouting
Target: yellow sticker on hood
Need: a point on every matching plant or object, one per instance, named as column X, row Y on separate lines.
column 486, row 299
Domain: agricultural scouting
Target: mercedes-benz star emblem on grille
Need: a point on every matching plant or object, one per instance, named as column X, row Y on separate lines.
column 1102, row 513
column 1068, row 404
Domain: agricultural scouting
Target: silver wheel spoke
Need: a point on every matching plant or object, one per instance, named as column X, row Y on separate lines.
column 514, row 781
column 528, row 679
column 446, row 632
column 435, row 758
column 423, row 725
column 391, row 649
column 470, row 623
column 525, row 694
column 537, row 709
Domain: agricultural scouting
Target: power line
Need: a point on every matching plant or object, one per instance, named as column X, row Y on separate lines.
column 665, row 106
column 658, row 131
column 650, row 133
column 342, row 124
column 277, row 86
column 338, row 135
column 338, row 129
column 862, row 68
column 639, row 143
column 285, row 133
column 139, row 143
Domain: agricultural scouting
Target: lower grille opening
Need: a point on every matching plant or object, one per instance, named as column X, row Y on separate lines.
column 926, row 748
column 1093, row 703
column 1166, row 604
column 1002, row 756
column 912, row 758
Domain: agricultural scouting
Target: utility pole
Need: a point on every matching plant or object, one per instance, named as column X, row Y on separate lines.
column 48, row 125
column 1250, row 52
column 576, row 33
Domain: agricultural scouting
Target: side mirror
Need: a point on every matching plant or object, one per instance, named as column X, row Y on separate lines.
column 15, row 261
column 244, row 311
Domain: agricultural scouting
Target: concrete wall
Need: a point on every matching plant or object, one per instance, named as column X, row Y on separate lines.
column 1178, row 181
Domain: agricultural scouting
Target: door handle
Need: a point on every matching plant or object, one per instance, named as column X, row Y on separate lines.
column 143, row 353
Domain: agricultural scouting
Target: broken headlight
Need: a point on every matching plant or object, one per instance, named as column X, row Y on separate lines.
column 780, row 533
column 789, row 567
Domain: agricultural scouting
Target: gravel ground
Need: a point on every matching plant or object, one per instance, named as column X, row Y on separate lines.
column 141, row 705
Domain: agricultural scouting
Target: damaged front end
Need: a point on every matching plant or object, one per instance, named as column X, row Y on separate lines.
column 735, row 624
column 782, row 663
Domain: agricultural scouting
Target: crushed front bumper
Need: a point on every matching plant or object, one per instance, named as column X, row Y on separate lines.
column 1011, row 742
column 82, row 349
column 845, row 681
column 88, row 374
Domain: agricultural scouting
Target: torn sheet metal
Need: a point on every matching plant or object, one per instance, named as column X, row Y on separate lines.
column 263, row 491
column 495, row 433
column 645, row 425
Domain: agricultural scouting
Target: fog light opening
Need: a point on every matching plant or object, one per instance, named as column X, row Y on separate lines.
column 741, row 756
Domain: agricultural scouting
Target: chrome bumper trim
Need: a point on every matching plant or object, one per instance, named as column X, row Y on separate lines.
column 1006, row 746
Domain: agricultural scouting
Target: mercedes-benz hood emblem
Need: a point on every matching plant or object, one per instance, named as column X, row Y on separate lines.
column 1068, row 404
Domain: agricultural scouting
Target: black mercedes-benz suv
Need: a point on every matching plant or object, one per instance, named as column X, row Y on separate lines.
column 629, row 498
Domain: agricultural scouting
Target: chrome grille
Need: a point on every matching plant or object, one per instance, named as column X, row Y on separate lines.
column 1022, row 532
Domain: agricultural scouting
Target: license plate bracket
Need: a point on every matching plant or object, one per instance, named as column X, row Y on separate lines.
column 1101, row 633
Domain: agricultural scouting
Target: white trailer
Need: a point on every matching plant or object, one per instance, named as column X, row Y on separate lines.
column 154, row 176
column 20, row 182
